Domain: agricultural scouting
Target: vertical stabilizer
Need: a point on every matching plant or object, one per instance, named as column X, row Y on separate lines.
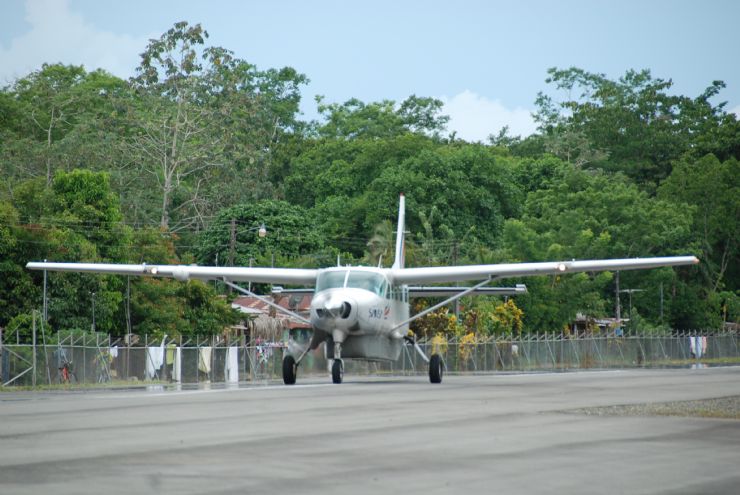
column 398, row 261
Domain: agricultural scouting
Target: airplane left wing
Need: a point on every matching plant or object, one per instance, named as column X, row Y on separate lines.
column 297, row 276
column 508, row 270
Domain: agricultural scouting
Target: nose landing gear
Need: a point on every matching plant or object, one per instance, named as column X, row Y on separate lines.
column 337, row 367
column 337, row 371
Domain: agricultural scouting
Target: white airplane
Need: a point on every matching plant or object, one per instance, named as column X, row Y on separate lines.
column 363, row 312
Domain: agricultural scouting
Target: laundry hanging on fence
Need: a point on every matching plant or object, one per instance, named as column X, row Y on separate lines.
column 204, row 359
column 697, row 346
column 154, row 360
column 170, row 355
column 177, row 365
column 231, row 365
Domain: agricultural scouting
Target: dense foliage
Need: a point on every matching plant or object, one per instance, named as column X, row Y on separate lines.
column 185, row 161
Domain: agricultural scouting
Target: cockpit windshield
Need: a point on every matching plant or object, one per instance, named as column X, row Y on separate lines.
column 330, row 280
column 374, row 282
column 357, row 279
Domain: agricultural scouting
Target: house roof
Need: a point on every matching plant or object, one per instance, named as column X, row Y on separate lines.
column 254, row 307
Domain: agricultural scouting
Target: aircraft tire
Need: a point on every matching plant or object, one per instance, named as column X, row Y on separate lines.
column 337, row 371
column 289, row 370
column 435, row 368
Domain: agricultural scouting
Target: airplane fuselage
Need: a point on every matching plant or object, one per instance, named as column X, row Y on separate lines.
column 360, row 308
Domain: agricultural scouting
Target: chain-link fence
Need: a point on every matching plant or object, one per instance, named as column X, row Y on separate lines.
column 86, row 360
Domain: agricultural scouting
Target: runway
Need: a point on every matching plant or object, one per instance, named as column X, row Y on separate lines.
column 499, row 433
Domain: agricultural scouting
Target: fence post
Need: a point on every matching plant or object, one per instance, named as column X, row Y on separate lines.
column 33, row 379
column 46, row 352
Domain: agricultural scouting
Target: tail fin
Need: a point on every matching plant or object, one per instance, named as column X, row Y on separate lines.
column 398, row 262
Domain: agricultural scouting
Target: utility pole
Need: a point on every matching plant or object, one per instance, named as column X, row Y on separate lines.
column 618, row 305
column 454, row 263
column 93, row 312
column 46, row 314
column 33, row 377
column 232, row 242
column 630, row 291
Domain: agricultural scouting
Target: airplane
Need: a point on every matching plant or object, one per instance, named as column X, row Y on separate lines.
column 362, row 312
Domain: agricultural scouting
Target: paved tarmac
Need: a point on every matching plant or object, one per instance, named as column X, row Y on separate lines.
column 500, row 433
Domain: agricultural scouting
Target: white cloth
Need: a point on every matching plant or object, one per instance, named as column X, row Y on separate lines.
column 177, row 365
column 231, row 365
column 154, row 360
column 113, row 352
column 204, row 359
column 698, row 345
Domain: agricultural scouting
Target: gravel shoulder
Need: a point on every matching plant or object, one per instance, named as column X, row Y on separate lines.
column 721, row 407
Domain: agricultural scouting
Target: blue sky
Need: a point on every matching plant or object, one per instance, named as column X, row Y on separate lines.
column 485, row 59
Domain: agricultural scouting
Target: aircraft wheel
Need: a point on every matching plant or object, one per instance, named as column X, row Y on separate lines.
column 337, row 371
column 435, row 368
column 290, row 370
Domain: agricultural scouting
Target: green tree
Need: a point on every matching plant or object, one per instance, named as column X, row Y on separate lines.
column 233, row 238
column 635, row 121
column 17, row 291
column 83, row 200
column 591, row 216
column 713, row 189
column 354, row 118
column 197, row 109
column 52, row 116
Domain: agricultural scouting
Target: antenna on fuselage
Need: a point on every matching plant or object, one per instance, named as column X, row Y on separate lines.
column 398, row 262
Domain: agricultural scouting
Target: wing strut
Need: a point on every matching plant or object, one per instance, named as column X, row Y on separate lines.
column 412, row 341
column 266, row 301
column 443, row 303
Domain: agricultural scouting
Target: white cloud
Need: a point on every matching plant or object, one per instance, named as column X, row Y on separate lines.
column 60, row 35
column 736, row 111
column 475, row 117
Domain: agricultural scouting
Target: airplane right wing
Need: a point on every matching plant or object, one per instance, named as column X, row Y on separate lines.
column 451, row 291
column 507, row 270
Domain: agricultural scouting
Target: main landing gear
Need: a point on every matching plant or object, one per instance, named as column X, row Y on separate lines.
column 290, row 366
column 436, row 365
column 290, row 370
column 436, row 368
